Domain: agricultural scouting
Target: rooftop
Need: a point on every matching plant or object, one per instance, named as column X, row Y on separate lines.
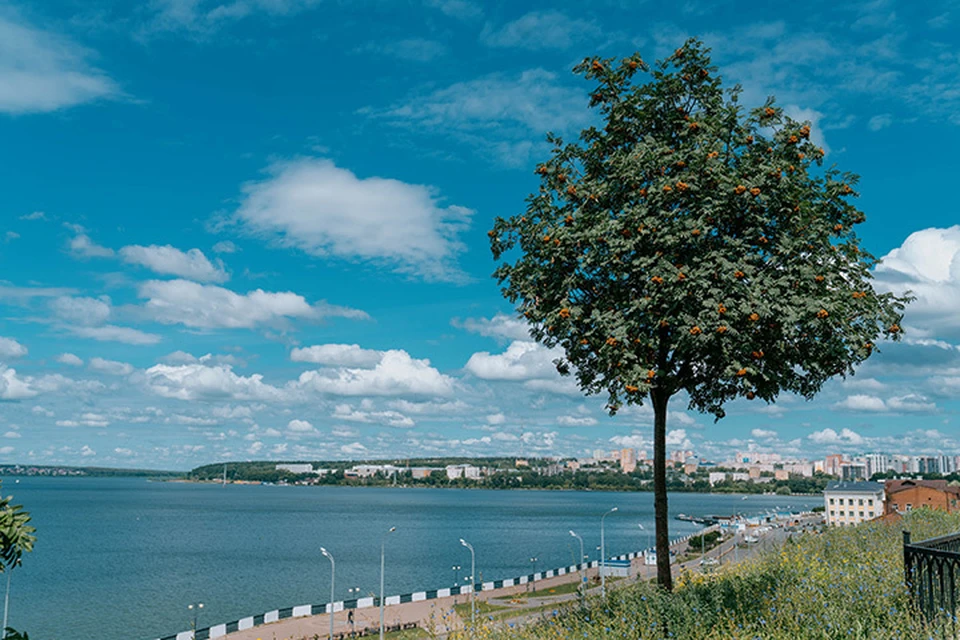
column 844, row 486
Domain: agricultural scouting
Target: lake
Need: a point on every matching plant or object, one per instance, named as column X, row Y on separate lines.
column 121, row 558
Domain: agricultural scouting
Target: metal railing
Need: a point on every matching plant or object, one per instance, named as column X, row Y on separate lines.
column 931, row 569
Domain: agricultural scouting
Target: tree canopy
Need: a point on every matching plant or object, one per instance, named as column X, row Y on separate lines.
column 688, row 244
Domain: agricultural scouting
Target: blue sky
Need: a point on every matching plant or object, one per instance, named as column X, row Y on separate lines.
column 257, row 228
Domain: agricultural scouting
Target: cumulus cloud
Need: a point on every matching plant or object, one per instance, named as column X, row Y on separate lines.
column 829, row 436
column 211, row 307
column 323, row 210
column 499, row 326
column 82, row 246
column 521, row 361
column 576, row 421
column 927, row 264
column 541, row 30
column 69, row 359
column 764, row 434
column 353, row 449
column 396, row 374
column 346, row 355
column 389, row 418
column 13, row 387
column 86, row 317
column 10, row 349
column 202, row 382
column 110, row 367
column 225, row 246
column 635, row 441
column 41, row 71
column 678, row 438
column 910, row 403
column 168, row 260
column 300, row 426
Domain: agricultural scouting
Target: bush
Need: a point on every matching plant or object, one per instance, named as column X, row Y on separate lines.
column 846, row 583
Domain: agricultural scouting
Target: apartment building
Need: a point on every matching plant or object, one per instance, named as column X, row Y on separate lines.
column 907, row 495
column 847, row 503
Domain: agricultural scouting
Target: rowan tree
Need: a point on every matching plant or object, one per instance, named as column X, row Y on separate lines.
column 688, row 245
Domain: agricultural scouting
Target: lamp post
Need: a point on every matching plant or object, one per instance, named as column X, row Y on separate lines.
column 195, row 608
column 533, row 561
column 603, row 556
column 473, row 582
column 383, row 544
column 583, row 578
column 333, row 574
column 456, row 572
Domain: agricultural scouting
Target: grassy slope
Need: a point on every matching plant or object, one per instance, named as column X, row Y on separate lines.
column 846, row 583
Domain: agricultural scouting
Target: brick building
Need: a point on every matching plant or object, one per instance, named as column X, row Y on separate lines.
column 906, row 495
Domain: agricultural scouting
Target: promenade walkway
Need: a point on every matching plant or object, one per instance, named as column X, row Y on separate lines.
column 440, row 616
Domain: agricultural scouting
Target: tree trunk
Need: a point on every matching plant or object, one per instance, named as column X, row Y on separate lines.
column 661, row 515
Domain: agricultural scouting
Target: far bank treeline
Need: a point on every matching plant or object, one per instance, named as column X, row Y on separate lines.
column 501, row 473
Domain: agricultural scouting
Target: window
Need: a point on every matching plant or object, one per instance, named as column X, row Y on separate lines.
column 870, row 513
column 860, row 501
column 831, row 500
column 861, row 514
column 871, row 502
column 909, row 507
column 832, row 513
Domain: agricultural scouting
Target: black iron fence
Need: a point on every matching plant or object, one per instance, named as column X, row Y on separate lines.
column 932, row 569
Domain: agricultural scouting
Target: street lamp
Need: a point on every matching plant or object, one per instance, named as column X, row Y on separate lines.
column 603, row 556
column 583, row 578
column 354, row 592
column 456, row 572
column 473, row 582
column 195, row 608
column 383, row 543
column 533, row 561
column 333, row 573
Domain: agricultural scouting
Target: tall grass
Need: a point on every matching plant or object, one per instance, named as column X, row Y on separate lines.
column 846, row 583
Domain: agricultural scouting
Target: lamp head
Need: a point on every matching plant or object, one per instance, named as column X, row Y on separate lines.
column 572, row 533
column 392, row 529
column 324, row 551
column 614, row 509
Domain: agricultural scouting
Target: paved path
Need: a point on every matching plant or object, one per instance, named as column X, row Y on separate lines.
column 440, row 616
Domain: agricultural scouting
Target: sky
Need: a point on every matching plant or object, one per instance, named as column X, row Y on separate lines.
column 256, row 229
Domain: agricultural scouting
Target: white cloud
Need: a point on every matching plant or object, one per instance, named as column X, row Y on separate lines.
column 635, row 441
column 86, row 451
column 201, row 382
column 168, row 260
column 211, row 307
column 69, row 359
column 542, row 30
column 396, row 374
column 202, row 18
column 13, row 387
column 225, row 246
column 764, row 434
column 829, row 436
column 678, row 439
column 460, row 9
column 123, row 451
column 41, row 71
column 10, row 348
column 81, row 246
column 346, row 355
column 42, row 411
column 110, row 367
column 35, row 215
column 910, row 403
column 862, row 402
column 390, row 418
column 353, row 449
column 521, row 361
column 881, row 121
column 576, row 421
column 85, row 420
column 430, row 408
column 113, row 333
column 300, row 426
column 7, row 450
column 499, row 326
column 81, row 311
column 324, row 210
column 496, row 418
column 255, row 448
column 927, row 264
column 12, row 434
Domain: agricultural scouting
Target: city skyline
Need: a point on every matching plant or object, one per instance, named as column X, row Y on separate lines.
column 289, row 260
